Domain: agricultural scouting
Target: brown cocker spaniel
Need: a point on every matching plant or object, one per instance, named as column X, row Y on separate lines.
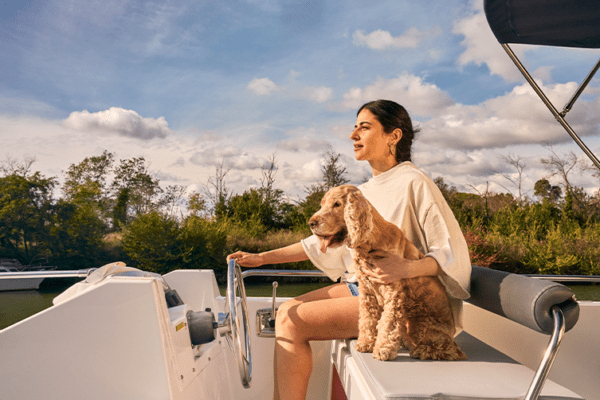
column 414, row 313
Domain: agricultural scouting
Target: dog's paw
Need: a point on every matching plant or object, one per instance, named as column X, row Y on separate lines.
column 454, row 353
column 364, row 347
column 384, row 354
column 459, row 355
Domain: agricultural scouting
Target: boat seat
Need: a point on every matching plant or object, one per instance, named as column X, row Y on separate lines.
column 487, row 374
column 543, row 306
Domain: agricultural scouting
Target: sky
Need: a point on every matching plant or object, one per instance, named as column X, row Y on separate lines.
column 189, row 85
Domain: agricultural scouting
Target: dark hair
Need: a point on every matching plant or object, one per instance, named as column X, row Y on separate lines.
column 393, row 116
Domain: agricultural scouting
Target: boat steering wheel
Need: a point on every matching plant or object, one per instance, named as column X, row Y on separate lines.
column 238, row 325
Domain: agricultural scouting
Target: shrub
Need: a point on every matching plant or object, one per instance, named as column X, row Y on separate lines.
column 203, row 245
column 481, row 251
column 151, row 242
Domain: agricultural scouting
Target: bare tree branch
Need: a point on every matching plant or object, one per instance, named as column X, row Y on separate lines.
column 221, row 194
column 561, row 165
column 519, row 165
column 12, row 166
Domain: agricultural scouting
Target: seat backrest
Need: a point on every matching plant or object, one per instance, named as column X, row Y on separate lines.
column 522, row 299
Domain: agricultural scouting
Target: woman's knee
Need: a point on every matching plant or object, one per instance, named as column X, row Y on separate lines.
column 287, row 323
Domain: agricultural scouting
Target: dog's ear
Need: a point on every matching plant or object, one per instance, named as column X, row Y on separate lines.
column 358, row 218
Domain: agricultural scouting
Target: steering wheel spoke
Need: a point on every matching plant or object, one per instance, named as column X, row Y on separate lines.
column 237, row 335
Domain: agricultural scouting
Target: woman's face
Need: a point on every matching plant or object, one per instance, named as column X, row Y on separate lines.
column 370, row 141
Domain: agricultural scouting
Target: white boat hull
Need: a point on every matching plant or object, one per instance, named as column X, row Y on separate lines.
column 118, row 340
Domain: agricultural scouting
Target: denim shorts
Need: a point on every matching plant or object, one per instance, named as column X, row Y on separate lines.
column 353, row 287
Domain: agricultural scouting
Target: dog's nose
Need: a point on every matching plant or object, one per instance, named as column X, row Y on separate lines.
column 313, row 223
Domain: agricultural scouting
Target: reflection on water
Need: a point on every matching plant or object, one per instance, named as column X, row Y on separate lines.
column 20, row 304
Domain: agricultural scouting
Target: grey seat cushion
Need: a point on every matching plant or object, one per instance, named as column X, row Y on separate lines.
column 487, row 374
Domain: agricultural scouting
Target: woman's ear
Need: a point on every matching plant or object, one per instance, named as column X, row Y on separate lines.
column 394, row 137
column 358, row 219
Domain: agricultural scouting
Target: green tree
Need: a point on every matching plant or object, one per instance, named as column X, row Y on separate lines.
column 143, row 190
column 120, row 209
column 334, row 174
column 197, row 205
column 203, row 244
column 25, row 214
column 75, row 235
column 151, row 241
column 545, row 190
column 86, row 182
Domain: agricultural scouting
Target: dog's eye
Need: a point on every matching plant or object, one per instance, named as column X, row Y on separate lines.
column 337, row 204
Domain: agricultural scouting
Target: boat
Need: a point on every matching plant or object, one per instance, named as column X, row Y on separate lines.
column 9, row 265
column 123, row 333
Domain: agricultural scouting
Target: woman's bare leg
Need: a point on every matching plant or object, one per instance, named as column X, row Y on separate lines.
column 324, row 314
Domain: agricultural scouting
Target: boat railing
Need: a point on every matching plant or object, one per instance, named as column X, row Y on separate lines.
column 320, row 274
column 567, row 278
column 81, row 273
column 283, row 273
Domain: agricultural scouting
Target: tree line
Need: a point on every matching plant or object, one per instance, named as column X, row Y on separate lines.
column 107, row 210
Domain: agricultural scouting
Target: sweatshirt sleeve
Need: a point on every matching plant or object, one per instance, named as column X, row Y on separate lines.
column 333, row 263
column 446, row 244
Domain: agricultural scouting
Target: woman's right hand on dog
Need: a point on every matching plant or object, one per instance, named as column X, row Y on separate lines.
column 248, row 260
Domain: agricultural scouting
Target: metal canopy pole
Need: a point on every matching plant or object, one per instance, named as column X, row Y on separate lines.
column 81, row 273
column 583, row 85
column 550, row 106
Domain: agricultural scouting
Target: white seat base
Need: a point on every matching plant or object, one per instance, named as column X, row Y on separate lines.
column 487, row 374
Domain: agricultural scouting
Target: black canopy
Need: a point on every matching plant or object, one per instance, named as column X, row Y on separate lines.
column 572, row 23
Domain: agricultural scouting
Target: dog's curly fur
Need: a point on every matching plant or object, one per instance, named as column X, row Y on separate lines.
column 414, row 313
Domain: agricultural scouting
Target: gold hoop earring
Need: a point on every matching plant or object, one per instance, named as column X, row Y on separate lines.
column 392, row 148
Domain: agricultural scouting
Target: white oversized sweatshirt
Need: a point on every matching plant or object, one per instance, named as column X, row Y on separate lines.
column 408, row 198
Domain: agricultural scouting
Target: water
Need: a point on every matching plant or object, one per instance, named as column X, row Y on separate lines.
column 18, row 305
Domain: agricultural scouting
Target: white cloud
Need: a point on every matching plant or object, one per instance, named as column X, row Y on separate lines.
column 543, row 73
column 262, row 86
column 342, row 131
column 231, row 156
column 317, row 94
column 419, row 98
column 303, row 143
column 382, row 40
column 121, row 121
column 308, row 173
column 518, row 117
column 483, row 48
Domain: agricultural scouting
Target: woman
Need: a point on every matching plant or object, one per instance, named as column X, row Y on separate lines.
column 403, row 195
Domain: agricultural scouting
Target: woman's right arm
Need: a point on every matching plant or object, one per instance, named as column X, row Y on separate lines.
column 291, row 253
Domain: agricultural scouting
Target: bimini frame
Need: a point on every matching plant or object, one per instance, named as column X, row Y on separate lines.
column 565, row 23
column 560, row 116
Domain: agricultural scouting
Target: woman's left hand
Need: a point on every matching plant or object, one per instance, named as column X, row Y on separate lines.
column 387, row 267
